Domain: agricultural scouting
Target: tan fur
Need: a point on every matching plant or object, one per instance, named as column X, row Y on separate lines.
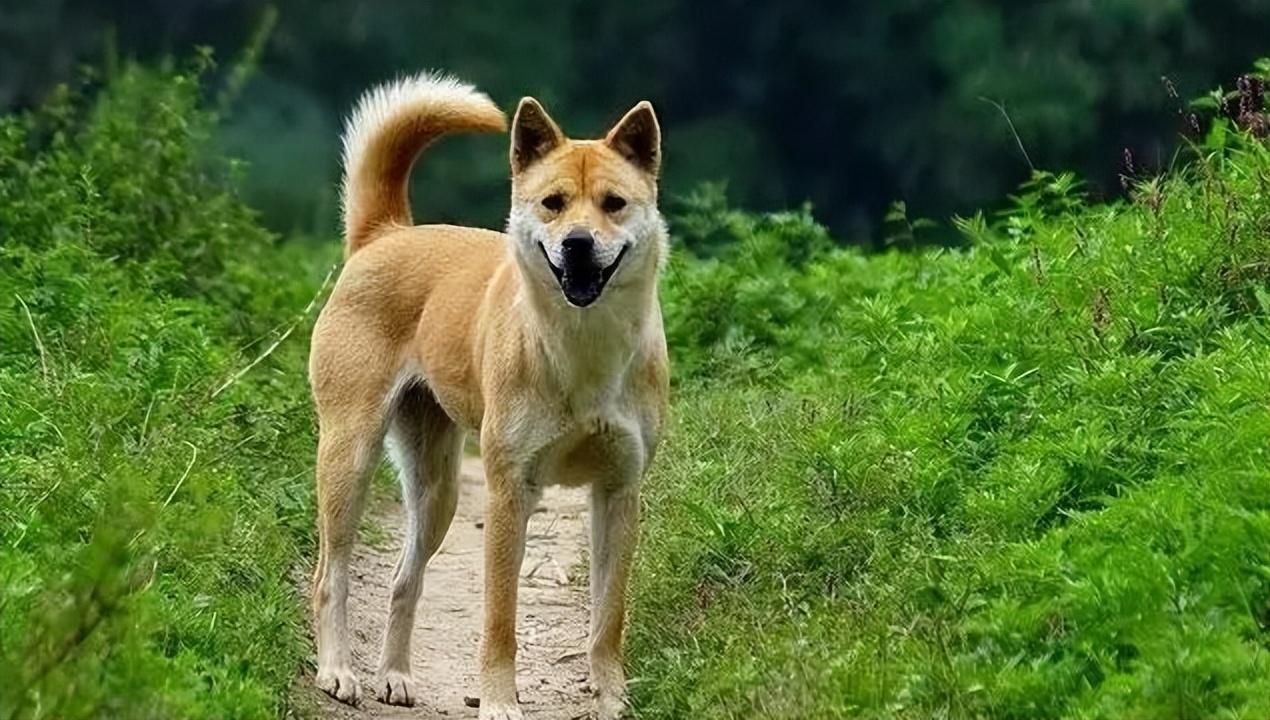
column 433, row 331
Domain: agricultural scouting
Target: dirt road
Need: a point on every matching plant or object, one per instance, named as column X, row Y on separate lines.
column 552, row 622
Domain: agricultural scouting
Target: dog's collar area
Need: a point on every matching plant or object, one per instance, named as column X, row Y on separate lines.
column 584, row 290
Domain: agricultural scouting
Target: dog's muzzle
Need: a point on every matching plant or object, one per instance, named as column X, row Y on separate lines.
column 581, row 277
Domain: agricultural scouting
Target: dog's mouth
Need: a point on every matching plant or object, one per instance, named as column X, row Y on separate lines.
column 582, row 281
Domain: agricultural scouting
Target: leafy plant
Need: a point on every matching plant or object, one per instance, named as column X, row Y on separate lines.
column 1023, row 479
column 151, row 514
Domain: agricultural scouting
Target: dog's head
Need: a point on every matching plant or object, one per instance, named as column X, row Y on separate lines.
column 584, row 212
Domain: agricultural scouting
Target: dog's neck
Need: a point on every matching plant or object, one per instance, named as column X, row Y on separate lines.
column 590, row 350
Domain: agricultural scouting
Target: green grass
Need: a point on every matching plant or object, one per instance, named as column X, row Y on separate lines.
column 150, row 533
column 1027, row 478
column 1024, row 478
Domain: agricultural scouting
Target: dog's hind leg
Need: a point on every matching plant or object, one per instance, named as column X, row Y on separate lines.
column 352, row 371
column 426, row 446
column 349, row 446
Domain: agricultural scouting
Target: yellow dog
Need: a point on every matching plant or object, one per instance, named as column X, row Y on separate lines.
column 546, row 339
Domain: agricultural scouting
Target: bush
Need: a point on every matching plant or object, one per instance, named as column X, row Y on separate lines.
column 150, row 526
column 1027, row 479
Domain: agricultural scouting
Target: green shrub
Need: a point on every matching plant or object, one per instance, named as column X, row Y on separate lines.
column 150, row 530
column 1027, row 479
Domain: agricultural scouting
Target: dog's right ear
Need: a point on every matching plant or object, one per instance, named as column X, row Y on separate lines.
column 534, row 134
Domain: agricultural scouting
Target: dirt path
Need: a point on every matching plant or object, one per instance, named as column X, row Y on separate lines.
column 553, row 616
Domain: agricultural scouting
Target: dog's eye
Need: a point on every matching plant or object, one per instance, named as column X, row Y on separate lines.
column 554, row 202
column 612, row 203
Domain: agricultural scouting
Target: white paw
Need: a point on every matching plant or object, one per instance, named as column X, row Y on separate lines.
column 340, row 683
column 396, row 688
column 501, row 712
column 610, row 706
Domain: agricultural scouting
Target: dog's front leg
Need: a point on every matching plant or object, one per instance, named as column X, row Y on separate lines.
column 614, row 530
column 507, row 506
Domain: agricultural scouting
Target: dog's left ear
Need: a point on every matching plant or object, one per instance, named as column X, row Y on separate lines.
column 637, row 137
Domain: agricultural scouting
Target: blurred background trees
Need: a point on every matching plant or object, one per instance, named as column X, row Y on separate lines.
column 849, row 105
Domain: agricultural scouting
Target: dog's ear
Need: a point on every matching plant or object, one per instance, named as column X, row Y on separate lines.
column 534, row 134
column 637, row 137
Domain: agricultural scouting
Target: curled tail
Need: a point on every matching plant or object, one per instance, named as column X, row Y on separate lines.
column 386, row 132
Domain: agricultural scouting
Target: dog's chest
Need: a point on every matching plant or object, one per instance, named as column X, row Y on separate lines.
column 590, row 402
column 596, row 447
column 579, row 435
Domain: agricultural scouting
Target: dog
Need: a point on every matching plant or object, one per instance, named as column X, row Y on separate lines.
column 546, row 340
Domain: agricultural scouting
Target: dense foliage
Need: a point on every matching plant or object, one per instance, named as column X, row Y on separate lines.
column 1026, row 479
column 149, row 525
column 847, row 104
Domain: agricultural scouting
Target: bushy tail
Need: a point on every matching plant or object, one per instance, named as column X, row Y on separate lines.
column 386, row 132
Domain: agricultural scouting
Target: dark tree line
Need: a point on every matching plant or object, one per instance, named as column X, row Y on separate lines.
column 850, row 105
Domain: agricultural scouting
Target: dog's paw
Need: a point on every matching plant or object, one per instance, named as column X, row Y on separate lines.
column 610, row 706
column 608, row 688
column 396, row 688
column 341, row 684
column 501, row 712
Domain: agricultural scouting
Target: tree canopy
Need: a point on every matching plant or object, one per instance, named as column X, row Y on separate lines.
column 849, row 105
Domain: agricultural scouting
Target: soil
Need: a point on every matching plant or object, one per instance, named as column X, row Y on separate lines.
column 552, row 621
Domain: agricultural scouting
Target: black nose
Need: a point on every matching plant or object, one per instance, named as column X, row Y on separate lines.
column 578, row 243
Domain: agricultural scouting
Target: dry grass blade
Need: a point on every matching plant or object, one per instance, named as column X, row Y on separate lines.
column 326, row 282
